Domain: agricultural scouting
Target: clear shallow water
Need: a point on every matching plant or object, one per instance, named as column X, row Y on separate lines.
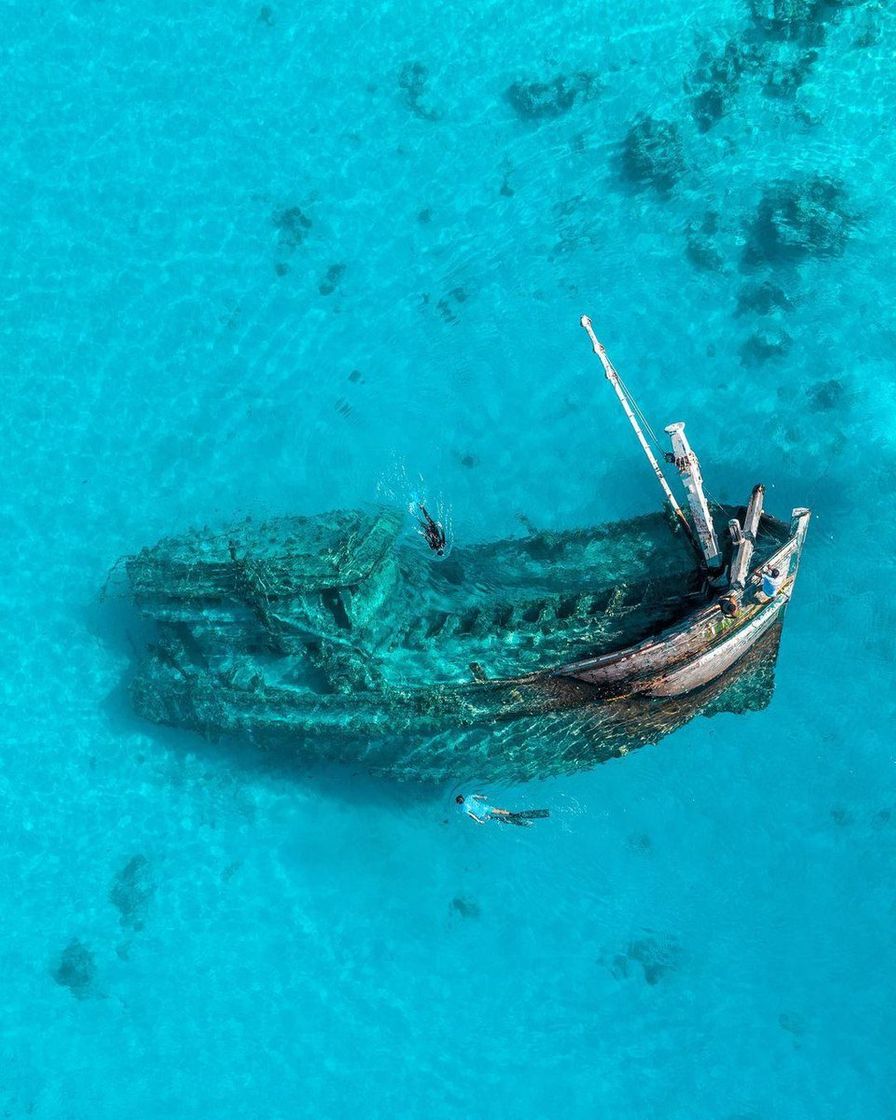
column 702, row 929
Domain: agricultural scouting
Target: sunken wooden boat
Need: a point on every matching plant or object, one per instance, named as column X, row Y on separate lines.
column 342, row 637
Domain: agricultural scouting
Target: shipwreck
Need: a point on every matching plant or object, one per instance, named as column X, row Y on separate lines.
column 340, row 636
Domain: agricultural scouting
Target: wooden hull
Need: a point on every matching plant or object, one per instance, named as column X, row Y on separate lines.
column 432, row 671
column 699, row 649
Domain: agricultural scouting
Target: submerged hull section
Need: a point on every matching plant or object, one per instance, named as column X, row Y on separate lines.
column 498, row 732
column 341, row 638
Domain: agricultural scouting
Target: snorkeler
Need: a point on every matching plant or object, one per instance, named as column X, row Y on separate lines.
column 431, row 531
column 477, row 807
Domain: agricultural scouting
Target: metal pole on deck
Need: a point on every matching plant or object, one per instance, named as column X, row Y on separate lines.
column 613, row 378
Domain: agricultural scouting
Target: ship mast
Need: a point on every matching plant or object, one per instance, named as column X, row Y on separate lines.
column 614, row 379
column 689, row 468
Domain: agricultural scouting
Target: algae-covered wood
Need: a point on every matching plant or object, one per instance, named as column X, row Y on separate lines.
column 345, row 627
column 277, row 558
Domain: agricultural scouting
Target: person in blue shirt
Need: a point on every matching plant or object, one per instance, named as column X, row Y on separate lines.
column 772, row 578
column 477, row 807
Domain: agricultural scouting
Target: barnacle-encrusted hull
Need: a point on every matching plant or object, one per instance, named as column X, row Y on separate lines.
column 342, row 637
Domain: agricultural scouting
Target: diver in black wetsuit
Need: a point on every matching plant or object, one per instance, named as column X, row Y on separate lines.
column 432, row 531
column 478, row 807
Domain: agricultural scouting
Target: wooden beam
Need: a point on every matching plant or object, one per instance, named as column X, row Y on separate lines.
column 688, row 466
column 743, row 552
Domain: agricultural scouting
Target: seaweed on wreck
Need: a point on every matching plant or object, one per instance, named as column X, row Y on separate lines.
column 797, row 218
column 539, row 101
column 335, row 637
column 652, row 153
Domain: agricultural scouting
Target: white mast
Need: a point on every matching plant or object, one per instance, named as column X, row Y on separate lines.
column 689, row 468
column 613, row 378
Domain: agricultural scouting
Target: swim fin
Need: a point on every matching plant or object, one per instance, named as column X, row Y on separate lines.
column 526, row 816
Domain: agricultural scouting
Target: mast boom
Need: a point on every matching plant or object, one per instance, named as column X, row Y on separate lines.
column 613, row 378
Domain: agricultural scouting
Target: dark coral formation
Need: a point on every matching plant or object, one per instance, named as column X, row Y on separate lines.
column 331, row 280
column 449, row 304
column 412, row 81
column 656, row 956
column 784, row 78
column 76, row 969
column 763, row 345
column 701, row 249
column 764, row 298
column 578, row 223
column 827, row 396
column 802, row 217
column 652, row 153
column 779, row 51
column 466, row 907
column 293, row 225
column 539, row 101
column 131, row 892
column 870, row 30
column 715, row 80
column 841, row 816
column 803, row 21
column 790, row 19
column 792, row 1022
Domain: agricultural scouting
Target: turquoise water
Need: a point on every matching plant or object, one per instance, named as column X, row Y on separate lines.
column 289, row 258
